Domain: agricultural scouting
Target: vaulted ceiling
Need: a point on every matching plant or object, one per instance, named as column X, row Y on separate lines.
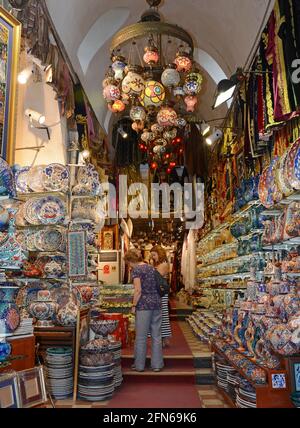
column 224, row 33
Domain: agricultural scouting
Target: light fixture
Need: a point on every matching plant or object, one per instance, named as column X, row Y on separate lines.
column 25, row 75
column 205, row 129
column 35, row 116
column 213, row 138
column 226, row 88
column 85, row 154
column 122, row 132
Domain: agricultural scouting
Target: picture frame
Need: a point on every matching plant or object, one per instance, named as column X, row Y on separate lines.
column 107, row 240
column 279, row 380
column 10, row 41
column 82, row 338
column 294, row 373
column 77, row 255
column 32, row 387
column 9, row 392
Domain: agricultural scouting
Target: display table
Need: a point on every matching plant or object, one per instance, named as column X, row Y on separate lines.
column 22, row 354
column 266, row 396
column 52, row 337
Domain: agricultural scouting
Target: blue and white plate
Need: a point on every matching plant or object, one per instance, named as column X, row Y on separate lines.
column 50, row 210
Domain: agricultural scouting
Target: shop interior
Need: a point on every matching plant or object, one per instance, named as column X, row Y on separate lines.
column 129, row 125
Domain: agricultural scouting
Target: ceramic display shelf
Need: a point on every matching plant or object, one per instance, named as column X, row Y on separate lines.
column 25, row 196
column 231, row 261
column 266, row 396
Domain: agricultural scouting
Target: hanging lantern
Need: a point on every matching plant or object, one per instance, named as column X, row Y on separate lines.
column 180, row 122
column 170, row 135
column 178, row 92
column 111, row 93
column 170, row 77
column 166, row 117
column 118, row 106
column 109, row 80
column 161, row 142
column 154, row 165
column 157, row 129
column 154, row 94
column 147, row 136
column 191, row 87
column 195, row 76
column 118, row 67
column 157, row 149
column 190, row 101
column 138, row 126
column 137, row 113
column 151, row 56
column 133, row 84
column 183, row 62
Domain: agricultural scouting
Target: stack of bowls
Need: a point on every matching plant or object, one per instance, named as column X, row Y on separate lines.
column 246, row 395
column 59, row 372
column 96, row 383
column 223, row 370
column 116, row 349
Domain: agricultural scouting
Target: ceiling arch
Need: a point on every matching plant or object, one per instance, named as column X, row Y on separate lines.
column 224, row 32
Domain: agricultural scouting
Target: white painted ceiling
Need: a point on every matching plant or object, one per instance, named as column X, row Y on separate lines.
column 224, row 32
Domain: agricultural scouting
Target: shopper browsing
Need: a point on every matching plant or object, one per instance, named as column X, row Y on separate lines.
column 147, row 308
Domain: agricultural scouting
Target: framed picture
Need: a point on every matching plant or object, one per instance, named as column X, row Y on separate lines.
column 9, row 393
column 279, row 380
column 107, row 240
column 77, row 254
column 10, row 37
column 294, row 371
column 82, row 338
column 32, row 387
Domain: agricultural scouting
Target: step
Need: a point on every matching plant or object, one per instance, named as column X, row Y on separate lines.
column 181, row 363
column 205, row 376
column 166, row 375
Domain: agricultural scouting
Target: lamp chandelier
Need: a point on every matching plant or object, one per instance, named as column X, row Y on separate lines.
column 154, row 78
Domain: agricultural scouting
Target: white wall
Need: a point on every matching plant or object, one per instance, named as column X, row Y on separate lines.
column 39, row 97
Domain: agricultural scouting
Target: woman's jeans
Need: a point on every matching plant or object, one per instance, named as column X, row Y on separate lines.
column 146, row 321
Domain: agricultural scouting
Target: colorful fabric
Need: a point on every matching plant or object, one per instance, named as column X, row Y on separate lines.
column 150, row 299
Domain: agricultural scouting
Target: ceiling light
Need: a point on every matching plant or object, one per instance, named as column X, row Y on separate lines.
column 225, row 91
column 35, row 116
column 212, row 139
column 122, row 133
column 205, row 128
column 85, row 154
column 24, row 75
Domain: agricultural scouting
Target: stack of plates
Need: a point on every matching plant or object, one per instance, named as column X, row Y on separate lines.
column 59, row 372
column 246, row 396
column 233, row 380
column 25, row 328
column 222, row 370
column 116, row 349
column 96, row 383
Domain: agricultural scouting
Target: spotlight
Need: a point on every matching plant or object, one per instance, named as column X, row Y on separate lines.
column 122, row 133
column 25, row 75
column 85, row 154
column 226, row 88
column 35, row 116
column 205, row 128
column 212, row 139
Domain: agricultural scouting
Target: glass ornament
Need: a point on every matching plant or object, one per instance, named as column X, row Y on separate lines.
column 151, row 56
column 118, row 67
column 191, row 87
column 157, row 129
column 111, row 93
column 133, row 84
column 137, row 113
column 178, row 92
column 170, row 77
column 118, row 106
column 190, row 101
column 166, row 117
column 138, row 126
column 153, row 95
column 147, row 136
column 183, row 63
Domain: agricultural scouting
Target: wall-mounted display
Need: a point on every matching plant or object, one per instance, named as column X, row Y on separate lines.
column 77, row 256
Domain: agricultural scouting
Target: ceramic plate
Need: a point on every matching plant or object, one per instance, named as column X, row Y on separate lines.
column 20, row 216
column 290, row 164
column 296, row 169
column 30, row 211
column 30, row 241
column 50, row 210
column 35, row 178
column 56, row 178
column 21, row 177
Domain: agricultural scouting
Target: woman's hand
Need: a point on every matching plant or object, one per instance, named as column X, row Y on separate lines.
column 133, row 310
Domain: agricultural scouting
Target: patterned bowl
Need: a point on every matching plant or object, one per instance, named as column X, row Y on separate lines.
column 103, row 327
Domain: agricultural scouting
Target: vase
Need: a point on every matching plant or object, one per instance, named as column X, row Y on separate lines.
column 44, row 311
column 5, row 350
column 67, row 316
column 9, row 311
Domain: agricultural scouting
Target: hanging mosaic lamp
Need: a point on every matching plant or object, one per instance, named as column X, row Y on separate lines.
column 118, row 67
column 138, row 126
column 170, row 77
column 111, row 93
column 137, row 113
column 190, row 101
column 154, row 94
column 166, row 117
column 118, row 106
column 157, row 129
column 151, row 56
column 183, row 62
column 133, row 84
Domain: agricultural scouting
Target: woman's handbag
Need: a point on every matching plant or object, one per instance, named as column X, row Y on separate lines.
column 162, row 284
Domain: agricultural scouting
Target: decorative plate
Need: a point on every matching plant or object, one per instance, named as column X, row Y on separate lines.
column 21, row 239
column 61, row 296
column 35, row 178
column 7, row 180
column 296, row 169
column 262, row 188
column 51, row 210
column 30, row 241
column 290, row 162
column 53, row 239
column 20, row 216
column 21, row 177
column 277, row 195
column 30, row 211
column 282, row 182
column 56, row 177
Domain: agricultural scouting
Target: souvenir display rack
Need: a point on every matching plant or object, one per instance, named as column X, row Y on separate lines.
column 116, row 298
